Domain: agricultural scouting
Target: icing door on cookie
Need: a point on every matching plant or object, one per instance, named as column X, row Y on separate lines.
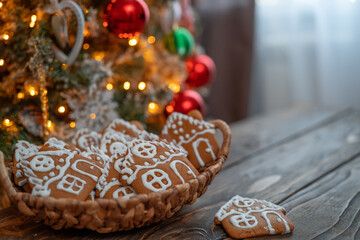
column 177, row 165
column 203, row 150
column 281, row 225
column 87, row 168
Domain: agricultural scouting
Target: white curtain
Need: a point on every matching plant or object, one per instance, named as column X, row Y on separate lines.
column 306, row 51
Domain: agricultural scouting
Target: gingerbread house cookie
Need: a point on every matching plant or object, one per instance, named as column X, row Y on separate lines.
column 246, row 217
column 57, row 170
column 196, row 136
column 125, row 127
column 23, row 149
column 86, row 138
column 152, row 166
column 114, row 143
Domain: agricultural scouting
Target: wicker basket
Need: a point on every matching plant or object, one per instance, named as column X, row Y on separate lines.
column 109, row 215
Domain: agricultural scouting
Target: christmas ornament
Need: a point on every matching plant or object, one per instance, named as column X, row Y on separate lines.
column 170, row 15
column 201, row 70
column 59, row 25
column 126, row 18
column 180, row 41
column 186, row 101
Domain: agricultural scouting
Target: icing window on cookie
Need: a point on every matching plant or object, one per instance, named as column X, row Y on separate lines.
column 156, row 180
column 244, row 221
column 174, row 166
column 197, row 149
column 144, row 150
column 42, row 163
column 71, row 184
column 123, row 192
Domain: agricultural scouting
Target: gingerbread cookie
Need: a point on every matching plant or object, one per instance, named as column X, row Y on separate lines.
column 114, row 143
column 196, row 136
column 22, row 150
column 122, row 126
column 85, row 138
column 56, row 169
column 246, row 217
column 152, row 166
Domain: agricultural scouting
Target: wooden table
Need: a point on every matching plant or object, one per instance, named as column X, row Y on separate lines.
column 306, row 159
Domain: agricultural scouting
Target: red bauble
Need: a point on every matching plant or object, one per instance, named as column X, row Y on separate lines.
column 186, row 101
column 201, row 70
column 126, row 18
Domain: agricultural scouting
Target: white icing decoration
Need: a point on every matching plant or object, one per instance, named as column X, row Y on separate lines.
column 61, row 160
column 145, row 150
column 22, row 182
column 193, row 131
column 116, row 193
column 85, row 138
column 176, row 132
column 181, row 130
column 118, row 147
column 196, row 145
column 42, row 163
column 85, row 162
column 71, row 184
column 52, row 174
column 46, row 178
column 174, row 168
column 187, row 135
column 242, row 218
column 149, row 184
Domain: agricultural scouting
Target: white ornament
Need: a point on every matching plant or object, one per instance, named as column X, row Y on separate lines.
column 59, row 25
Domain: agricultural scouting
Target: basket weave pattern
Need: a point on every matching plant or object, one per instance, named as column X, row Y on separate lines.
column 109, row 215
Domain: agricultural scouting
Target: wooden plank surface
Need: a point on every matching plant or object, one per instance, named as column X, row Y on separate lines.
column 276, row 174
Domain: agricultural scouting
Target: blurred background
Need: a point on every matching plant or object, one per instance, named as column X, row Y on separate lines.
column 275, row 54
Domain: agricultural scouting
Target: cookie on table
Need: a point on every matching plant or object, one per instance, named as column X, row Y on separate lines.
column 86, row 138
column 57, row 170
column 196, row 136
column 152, row 166
column 246, row 217
column 23, row 149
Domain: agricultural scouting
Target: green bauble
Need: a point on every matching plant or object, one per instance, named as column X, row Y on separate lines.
column 180, row 41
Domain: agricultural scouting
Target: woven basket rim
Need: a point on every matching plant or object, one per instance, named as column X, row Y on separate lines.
column 207, row 175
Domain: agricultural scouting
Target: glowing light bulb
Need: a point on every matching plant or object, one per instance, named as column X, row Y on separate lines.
column 142, row 86
column 105, row 24
column 86, row 46
column 133, row 42
column 93, row 116
column 126, row 85
column 169, row 109
column 175, row 87
column 7, row 122
column 64, row 66
column 32, row 91
column 5, row 36
column 33, row 21
column 109, row 86
column 49, row 124
column 151, row 39
column 153, row 107
column 72, row 124
column 61, row 109
column 1, row 4
column 2, row 62
column 20, row 95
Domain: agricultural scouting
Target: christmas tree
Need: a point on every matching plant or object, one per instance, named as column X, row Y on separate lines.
column 82, row 63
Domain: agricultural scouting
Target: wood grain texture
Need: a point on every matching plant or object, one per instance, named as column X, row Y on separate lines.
column 286, row 169
column 329, row 208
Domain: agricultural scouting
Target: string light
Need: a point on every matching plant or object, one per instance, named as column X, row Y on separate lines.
column 93, row 116
column 109, row 86
column 32, row 91
column 2, row 62
column 20, row 95
column 61, row 109
column 86, row 46
column 86, row 33
column 169, row 109
column 153, row 107
column 5, row 36
column 72, row 124
column 133, row 42
column 142, row 86
column 175, row 87
column 151, row 39
column 1, row 4
column 126, row 85
column 49, row 124
column 99, row 56
column 64, row 66
column 33, row 21
column 7, row 122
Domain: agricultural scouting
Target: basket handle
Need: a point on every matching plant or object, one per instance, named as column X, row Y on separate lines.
column 225, row 130
column 5, row 178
